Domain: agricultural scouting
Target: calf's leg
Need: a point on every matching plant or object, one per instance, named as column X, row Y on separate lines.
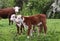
column 17, row 29
column 29, row 29
column 44, row 25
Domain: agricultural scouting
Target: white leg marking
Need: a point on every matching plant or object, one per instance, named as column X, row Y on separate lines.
column 38, row 31
column 31, row 32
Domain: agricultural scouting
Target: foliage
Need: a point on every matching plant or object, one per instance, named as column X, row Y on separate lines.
column 57, row 15
column 6, row 3
column 36, row 7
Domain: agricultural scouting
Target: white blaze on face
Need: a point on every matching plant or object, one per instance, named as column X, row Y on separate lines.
column 16, row 9
column 13, row 17
column 19, row 19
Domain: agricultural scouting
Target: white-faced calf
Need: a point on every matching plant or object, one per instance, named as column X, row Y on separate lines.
column 39, row 20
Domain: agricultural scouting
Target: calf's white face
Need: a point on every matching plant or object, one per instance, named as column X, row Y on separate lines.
column 19, row 19
column 13, row 17
column 16, row 8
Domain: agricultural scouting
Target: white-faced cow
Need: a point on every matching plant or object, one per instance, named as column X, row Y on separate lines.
column 19, row 25
column 39, row 20
column 7, row 12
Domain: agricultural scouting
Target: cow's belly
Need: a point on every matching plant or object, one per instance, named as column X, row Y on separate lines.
column 3, row 16
column 38, row 24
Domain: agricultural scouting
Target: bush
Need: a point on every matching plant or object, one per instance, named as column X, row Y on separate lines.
column 36, row 7
column 6, row 3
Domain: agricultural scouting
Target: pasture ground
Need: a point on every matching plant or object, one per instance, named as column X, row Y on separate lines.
column 8, row 33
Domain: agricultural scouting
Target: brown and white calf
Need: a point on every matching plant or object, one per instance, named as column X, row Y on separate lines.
column 39, row 20
column 19, row 25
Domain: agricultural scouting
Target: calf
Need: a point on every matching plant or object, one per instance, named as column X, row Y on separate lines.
column 39, row 20
column 19, row 25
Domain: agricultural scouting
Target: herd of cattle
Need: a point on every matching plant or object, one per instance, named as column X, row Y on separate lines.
column 23, row 22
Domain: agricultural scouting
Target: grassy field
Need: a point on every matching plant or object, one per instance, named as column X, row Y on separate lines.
column 8, row 33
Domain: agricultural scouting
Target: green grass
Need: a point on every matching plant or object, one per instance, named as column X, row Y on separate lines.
column 8, row 33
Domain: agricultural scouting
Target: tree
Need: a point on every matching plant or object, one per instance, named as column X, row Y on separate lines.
column 6, row 3
column 20, row 3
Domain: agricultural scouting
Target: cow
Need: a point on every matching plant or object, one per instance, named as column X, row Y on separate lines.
column 39, row 20
column 7, row 12
column 19, row 25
